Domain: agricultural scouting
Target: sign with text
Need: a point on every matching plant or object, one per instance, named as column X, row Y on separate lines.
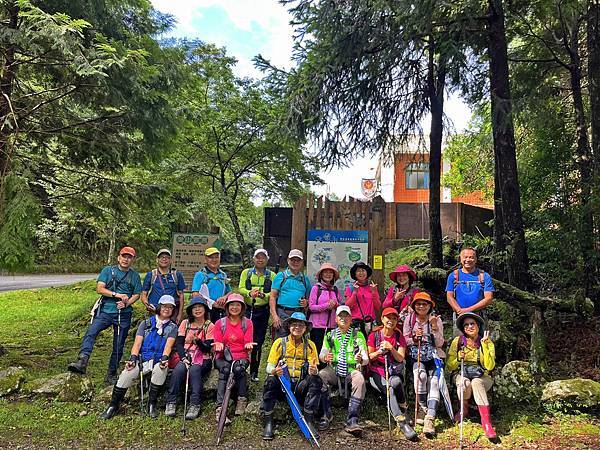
column 188, row 252
column 341, row 248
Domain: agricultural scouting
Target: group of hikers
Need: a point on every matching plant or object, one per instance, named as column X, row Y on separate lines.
column 324, row 341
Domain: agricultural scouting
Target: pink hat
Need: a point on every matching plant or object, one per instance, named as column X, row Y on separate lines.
column 403, row 269
column 328, row 266
column 235, row 297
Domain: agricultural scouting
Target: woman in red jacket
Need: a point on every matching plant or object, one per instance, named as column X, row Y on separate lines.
column 233, row 344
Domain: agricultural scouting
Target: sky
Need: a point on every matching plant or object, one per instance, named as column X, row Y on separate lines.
column 251, row 27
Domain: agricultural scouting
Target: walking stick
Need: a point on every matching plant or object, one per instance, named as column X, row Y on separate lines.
column 141, row 385
column 462, row 396
column 187, row 384
column 387, row 391
column 118, row 336
column 417, row 378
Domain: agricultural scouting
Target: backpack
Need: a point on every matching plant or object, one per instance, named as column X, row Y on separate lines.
column 223, row 324
column 100, row 301
column 285, row 277
column 172, row 272
column 320, row 290
column 266, row 285
column 149, row 345
column 471, row 371
column 480, row 278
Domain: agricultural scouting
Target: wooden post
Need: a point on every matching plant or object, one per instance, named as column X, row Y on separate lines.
column 377, row 240
column 299, row 224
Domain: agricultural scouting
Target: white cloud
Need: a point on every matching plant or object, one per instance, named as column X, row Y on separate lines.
column 269, row 15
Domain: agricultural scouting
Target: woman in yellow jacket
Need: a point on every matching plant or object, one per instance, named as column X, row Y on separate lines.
column 477, row 351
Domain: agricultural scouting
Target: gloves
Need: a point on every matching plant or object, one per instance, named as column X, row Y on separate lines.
column 204, row 346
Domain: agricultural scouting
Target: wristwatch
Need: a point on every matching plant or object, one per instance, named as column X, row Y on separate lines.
column 114, row 294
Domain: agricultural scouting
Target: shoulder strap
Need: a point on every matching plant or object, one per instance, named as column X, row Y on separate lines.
column 223, row 324
column 481, row 277
column 244, row 324
column 456, row 277
column 153, row 277
column 305, row 349
column 249, row 278
column 319, row 291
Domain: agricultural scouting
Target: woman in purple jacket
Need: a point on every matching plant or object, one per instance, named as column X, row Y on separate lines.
column 323, row 300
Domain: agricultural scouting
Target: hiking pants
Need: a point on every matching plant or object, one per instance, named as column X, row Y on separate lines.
column 397, row 396
column 357, row 380
column 427, row 386
column 477, row 387
column 101, row 322
column 239, row 375
column 198, row 372
column 260, row 322
column 128, row 377
column 308, row 391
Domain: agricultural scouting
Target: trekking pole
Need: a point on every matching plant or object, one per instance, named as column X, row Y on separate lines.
column 462, row 396
column 417, row 378
column 387, row 391
column 141, row 365
column 118, row 337
column 187, row 384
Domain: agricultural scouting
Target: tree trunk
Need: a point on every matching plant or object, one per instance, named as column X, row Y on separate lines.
column 6, row 86
column 435, row 85
column 593, row 45
column 584, row 163
column 239, row 236
column 507, row 201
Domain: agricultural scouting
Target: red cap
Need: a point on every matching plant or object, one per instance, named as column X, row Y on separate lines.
column 127, row 251
column 390, row 310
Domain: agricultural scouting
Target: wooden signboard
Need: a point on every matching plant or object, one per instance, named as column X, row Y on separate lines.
column 188, row 252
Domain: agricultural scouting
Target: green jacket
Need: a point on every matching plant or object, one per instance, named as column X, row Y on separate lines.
column 256, row 282
column 332, row 338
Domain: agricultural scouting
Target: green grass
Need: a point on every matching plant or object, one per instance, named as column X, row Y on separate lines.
column 42, row 330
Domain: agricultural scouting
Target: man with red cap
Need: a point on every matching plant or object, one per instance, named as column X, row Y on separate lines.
column 119, row 287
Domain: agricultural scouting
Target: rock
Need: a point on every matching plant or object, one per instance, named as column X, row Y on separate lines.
column 211, row 382
column 11, row 380
column 516, row 384
column 83, row 413
column 65, row 387
column 253, row 407
column 575, row 394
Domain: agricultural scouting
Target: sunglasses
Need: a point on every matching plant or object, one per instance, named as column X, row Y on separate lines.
column 470, row 324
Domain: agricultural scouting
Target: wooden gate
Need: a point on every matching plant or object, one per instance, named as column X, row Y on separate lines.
column 377, row 217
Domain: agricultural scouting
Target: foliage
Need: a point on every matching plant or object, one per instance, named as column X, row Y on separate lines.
column 17, row 224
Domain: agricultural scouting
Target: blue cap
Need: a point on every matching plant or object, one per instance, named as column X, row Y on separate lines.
column 297, row 317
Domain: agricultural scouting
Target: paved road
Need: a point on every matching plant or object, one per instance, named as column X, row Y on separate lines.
column 13, row 283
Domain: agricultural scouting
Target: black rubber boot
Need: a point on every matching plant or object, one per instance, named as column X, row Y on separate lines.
column 327, row 415
column 268, row 423
column 79, row 366
column 352, row 425
column 117, row 397
column 310, row 421
column 406, row 429
column 153, row 400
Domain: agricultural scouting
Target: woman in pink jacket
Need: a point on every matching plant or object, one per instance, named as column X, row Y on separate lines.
column 323, row 300
column 363, row 298
column 400, row 295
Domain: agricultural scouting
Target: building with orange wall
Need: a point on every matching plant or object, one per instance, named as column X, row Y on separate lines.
column 411, row 182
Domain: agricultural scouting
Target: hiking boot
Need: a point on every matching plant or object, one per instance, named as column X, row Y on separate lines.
column 240, row 407
column 111, row 379
column 486, row 424
column 420, row 419
column 429, row 426
column 403, row 427
column 218, row 414
column 352, row 425
column 192, row 412
column 170, row 409
column 310, row 421
column 153, row 400
column 325, row 422
column 79, row 366
column 113, row 408
column 268, row 426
